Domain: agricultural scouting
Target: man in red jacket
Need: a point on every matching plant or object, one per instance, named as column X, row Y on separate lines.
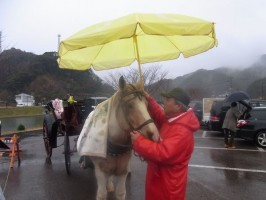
column 167, row 168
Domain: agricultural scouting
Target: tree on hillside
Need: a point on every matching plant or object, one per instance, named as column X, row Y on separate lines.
column 40, row 76
column 153, row 78
column 197, row 93
column 257, row 89
column 2, row 40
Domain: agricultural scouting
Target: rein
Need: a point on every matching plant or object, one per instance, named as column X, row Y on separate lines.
column 144, row 124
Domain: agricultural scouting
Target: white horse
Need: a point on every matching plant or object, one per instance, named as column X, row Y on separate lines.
column 128, row 112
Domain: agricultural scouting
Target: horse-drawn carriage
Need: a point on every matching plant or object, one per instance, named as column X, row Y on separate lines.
column 68, row 122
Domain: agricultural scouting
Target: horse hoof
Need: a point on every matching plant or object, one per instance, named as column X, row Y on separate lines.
column 48, row 161
column 129, row 174
column 83, row 165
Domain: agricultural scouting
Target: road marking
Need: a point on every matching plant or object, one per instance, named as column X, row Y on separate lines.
column 204, row 134
column 204, row 137
column 260, row 149
column 229, row 168
column 217, row 138
column 228, row 149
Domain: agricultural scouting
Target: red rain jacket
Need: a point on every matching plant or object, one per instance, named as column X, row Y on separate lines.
column 167, row 168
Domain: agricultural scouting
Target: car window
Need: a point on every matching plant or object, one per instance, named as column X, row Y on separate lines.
column 216, row 107
column 196, row 105
column 100, row 101
column 90, row 101
column 258, row 103
column 257, row 114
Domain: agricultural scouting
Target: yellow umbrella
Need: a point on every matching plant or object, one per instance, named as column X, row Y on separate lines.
column 137, row 37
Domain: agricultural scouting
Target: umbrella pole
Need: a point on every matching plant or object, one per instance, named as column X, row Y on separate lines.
column 137, row 50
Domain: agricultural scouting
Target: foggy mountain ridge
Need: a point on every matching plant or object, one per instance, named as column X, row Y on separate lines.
column 39, row 75
column 224, row 80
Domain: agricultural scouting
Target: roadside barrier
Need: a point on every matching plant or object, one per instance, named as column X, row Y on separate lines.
column 9, row 146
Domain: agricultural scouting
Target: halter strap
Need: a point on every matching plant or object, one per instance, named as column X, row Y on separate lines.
column 143, row 124
column 120, row 149
column 114, row 149
column 138, row 94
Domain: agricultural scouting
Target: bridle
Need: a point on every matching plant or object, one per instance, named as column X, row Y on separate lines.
column 120, row 149
column 136, row 93
column 139, row 94
column 144, row 124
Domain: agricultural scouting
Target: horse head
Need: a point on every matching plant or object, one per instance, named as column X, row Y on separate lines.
column 135, row 109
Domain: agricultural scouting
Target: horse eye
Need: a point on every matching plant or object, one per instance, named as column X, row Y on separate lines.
column 130, row 105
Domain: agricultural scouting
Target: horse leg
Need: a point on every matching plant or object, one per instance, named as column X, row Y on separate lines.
column 110, row 184
column 129, row 168
column 101, row 182
column 120, row 191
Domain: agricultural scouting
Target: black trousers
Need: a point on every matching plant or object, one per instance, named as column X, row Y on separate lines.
column 227, row 140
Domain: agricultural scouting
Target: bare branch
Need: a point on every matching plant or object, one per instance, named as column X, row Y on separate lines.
column 154, row 78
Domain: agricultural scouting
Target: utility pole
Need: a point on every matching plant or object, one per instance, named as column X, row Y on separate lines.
column 262, row 90
column 58, row 43
column 0, row 41
column 230, row 83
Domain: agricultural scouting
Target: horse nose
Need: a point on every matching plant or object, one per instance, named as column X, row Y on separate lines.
column 149, row 134
column 153, row 136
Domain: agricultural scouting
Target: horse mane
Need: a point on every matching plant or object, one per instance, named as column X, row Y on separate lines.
column 128, row 88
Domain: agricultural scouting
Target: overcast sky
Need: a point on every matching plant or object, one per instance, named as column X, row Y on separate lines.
column 34, row 25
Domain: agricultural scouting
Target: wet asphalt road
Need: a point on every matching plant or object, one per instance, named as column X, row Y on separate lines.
column 215, row 173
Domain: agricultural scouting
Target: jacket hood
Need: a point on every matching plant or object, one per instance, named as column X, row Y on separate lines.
column 188, row 119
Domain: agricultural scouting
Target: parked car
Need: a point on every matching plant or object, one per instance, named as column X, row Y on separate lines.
column 257, row 103
column 217, row 114
column 94, row 101
column 253, row 126
column 197, row 108
column 207, row 104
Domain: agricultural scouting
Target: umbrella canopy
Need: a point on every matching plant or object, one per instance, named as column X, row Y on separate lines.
column 237, row 97
column 137, row 37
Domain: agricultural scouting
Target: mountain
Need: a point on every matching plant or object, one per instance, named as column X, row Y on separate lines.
column 221, row 81
column 40, row 76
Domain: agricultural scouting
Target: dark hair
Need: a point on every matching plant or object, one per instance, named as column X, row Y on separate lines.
column 233, row 104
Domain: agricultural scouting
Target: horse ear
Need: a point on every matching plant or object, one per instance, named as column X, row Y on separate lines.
column 140, row 85
column 122, row 82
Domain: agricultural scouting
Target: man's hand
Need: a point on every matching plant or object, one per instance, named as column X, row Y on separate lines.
column 134, row 135
column 146, row 94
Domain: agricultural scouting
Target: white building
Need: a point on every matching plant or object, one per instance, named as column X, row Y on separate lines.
column 24, row 100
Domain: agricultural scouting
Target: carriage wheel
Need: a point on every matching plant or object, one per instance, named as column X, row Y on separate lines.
column 67, row 153
column 47, row 145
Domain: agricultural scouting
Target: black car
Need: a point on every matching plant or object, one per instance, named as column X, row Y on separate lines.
column 217, row 114
column 197, row 108
column 257, row 103
column 253, row 126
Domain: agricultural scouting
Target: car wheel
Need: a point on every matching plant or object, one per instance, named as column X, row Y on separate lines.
column 260, row 139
